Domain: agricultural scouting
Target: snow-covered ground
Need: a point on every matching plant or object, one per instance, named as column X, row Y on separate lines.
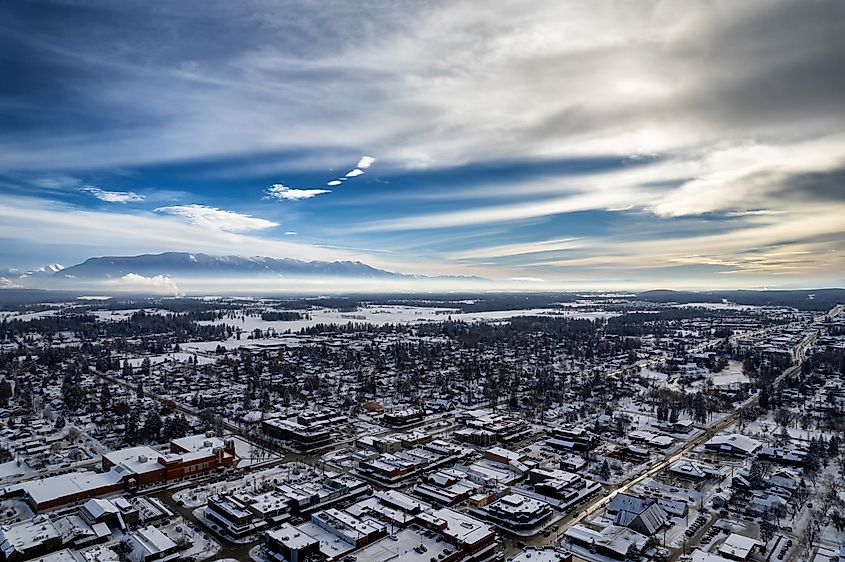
column 396, row 315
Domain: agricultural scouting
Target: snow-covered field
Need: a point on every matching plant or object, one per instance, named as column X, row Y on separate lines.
column 397, row 315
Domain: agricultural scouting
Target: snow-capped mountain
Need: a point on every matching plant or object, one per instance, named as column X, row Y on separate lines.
column 183, row 264
column 43, row 271
column 14, row 275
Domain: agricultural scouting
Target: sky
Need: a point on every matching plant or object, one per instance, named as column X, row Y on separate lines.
column 560, row 144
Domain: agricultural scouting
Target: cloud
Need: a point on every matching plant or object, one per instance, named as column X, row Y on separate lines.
column 135, row 282
column 365, row 162
column 527, row 279
column 112, row 196
column 738, row 102
column 218, row 219
column 280, row 191
column 44, row 225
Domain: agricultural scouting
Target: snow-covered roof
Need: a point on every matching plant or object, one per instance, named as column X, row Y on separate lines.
column 738, row 546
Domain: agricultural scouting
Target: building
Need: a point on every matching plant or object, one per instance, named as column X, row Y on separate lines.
column 690, row 470
column 117, row 514
column 28, row 539
column 699, row 555
column 568, row 488
column 787, row 457
column 516, row 512
column 643, row 515
column 309, row 496
column 404, row 417
column 240, row 515
column 572, row 439
column 542, row 554
column 735, row 445
column 148, row 544
column 307, row 432
column 125, row 470
column 347, row 527
column 739, row 547
column 613, row 541
column 391, row 469
column 446, row 487
column 289, row 544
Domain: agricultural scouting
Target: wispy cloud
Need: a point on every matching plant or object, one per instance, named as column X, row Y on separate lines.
column 218, row 219
column 112, row 196
column 281, row 191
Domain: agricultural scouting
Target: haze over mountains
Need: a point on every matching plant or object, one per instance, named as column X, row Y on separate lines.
column 163, row 270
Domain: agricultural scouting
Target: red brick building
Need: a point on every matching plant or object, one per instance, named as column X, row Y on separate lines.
column 128, row 470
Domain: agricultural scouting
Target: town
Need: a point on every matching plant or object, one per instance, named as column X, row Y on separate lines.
column 581, row 427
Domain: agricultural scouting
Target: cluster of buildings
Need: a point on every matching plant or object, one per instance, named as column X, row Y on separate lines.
column 129, row 470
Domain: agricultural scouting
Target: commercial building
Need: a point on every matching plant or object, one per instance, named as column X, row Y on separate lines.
column 125, row 470
column 516, row 512
column 735, row 445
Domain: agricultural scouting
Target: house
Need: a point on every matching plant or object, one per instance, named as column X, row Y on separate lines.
column 763, row 503
column 646, row 522
column 787, row 457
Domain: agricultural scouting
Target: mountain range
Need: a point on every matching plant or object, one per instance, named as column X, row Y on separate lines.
column 192, row 265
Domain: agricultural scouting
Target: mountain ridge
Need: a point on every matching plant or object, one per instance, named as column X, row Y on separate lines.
column 182, row 263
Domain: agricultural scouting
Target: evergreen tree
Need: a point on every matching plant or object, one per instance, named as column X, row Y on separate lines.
column 130, row 433
column 152, row 425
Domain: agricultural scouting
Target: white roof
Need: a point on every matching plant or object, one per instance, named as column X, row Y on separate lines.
column 198, row 442
column 23, row 536
column 97, row 507
column 61, row 485
column 736, row 440
column 703, row 556
column 463, row 528
column 136, row 459
column 292, row 537
column 737, row 546
column 149, row 540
